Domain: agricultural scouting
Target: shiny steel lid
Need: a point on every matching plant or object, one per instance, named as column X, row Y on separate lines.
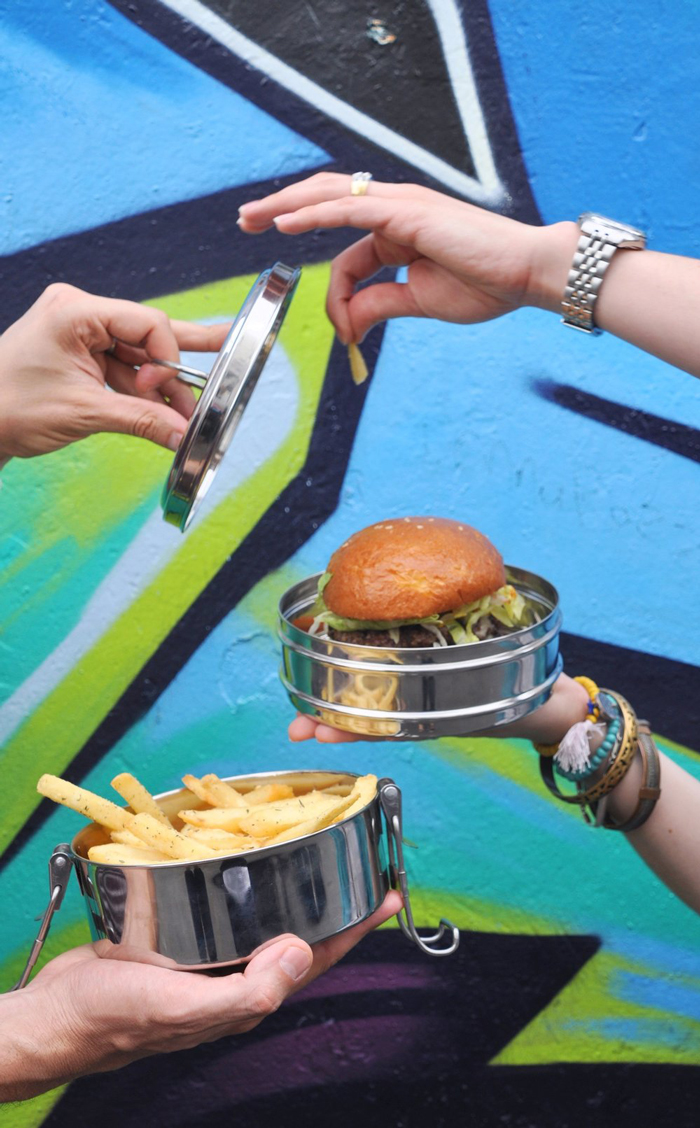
column 226, row 391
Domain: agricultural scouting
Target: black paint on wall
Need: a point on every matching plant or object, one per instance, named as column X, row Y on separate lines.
column 390, row 1037
column 330, row 43
column 680, row 438
column 348, row 150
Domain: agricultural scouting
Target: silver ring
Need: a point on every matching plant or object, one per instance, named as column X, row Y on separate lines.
column 359, row 182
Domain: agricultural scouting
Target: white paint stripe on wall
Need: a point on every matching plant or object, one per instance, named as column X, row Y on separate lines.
column 485, row 189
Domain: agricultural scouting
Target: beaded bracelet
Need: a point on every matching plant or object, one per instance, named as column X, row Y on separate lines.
column 599, row 756
column 614, row 706
column 592, row 714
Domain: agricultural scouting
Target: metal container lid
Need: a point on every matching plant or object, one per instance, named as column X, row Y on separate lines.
column 226, row 391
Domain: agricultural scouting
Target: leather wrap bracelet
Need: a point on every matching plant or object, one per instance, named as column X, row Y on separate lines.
column 650, row 788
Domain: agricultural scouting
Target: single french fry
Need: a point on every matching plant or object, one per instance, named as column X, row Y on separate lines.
column 169, row 841
column 337, row 789
column 231, row 819
column 94, row 807
column 319, row 822
column 127, row 838
column 358, row 368
column 222, row 794
column 269, row 793
column 273, row 818
column 219, row 839
column 363, row 792
column 116, row 854
column 216, row 818
column 139, row 799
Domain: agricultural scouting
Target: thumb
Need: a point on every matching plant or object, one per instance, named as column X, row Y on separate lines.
column 273, row 974
column 130, row 415
column 377, row 303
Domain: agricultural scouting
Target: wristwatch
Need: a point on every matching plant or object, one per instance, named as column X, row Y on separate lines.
column 599, row 240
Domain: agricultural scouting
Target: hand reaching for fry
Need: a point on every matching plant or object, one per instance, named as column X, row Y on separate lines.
column 87, row 1014
column 465, row 264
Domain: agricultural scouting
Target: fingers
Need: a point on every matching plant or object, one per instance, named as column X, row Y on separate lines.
column 271, row 976
column 352, row 319
column 133, row 415
column 200, row 338
column 306, row 728
column 380, row 302
column 122, row 378
column 258, row 215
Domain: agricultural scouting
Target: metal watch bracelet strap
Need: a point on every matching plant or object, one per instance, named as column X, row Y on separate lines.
column 591, row 260
column 599, row 239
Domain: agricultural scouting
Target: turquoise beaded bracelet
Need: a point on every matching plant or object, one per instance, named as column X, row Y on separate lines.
column 596, row 759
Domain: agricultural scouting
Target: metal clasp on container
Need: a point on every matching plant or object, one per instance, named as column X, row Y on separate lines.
column 60, row 866
column 390, row 800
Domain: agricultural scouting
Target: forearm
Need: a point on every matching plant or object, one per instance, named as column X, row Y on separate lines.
column 648, row 298
column 669, row 841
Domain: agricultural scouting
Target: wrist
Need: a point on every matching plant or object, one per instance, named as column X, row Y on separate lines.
column 554, row 253
column 40, row 1046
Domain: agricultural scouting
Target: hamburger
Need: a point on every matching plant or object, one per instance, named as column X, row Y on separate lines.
column 416, row 582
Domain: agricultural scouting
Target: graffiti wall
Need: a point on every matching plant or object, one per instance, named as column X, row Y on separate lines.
column 131, row 132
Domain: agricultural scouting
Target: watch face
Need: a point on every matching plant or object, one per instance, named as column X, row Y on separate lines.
column 611, row 230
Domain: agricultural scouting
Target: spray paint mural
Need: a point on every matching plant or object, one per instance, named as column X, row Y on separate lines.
column 135, row 129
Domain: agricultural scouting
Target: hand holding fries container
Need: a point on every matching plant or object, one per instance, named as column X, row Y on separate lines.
column 217, row 912
column 225, row 392
column 404, row 694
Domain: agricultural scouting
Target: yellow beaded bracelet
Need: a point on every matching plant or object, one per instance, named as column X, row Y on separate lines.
column 593, row 714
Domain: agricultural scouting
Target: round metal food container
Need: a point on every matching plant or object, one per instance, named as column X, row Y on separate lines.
column 225, row 392
column 220, row 911
column 404, row 694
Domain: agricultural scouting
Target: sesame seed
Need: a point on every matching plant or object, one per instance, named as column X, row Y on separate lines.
column 419, row 526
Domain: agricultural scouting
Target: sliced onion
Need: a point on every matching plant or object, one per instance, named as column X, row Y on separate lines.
column 441, row 640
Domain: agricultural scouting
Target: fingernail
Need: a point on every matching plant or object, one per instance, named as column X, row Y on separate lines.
column 295, row 962
column 174, row 440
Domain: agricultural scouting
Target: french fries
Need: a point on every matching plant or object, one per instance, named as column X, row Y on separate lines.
column 168, row 841
column 138, row 798
column 85, row 802
column 231, row 823
column 113, row 854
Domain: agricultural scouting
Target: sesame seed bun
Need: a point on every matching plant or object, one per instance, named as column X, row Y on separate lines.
column 411, row 567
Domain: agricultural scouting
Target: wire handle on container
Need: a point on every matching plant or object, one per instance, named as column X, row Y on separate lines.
column 60, row 866
column 390, row 799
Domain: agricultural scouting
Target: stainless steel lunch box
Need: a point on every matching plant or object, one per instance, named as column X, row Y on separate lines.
column 220, row 911
column 427, row 692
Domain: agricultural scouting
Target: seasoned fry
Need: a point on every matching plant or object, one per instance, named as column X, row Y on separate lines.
column 85, row 802
column 119, row 855
column 358, row 367
column 271, row 819
column 207, row 790
column 138, row 798
column 222, row 794
column 169, row 841
column 310, row 826
column 219, row 839
column 216, row 818
column 364, row 790
column 127, row 838
column 269, row 793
